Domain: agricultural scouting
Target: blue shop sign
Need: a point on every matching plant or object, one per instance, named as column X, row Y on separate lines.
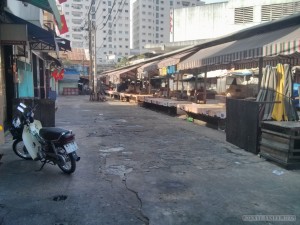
column 171, row 69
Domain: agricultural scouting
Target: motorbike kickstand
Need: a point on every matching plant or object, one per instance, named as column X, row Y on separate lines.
column 44, row 163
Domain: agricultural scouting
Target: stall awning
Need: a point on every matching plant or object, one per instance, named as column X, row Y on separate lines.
column 55, row 62
column 129, row 72
column 47, row 5
column 116, row 75
column 284, row 41
column 174, row 59
column 195, row 61
column 150, row 67
column 287, row 44
column 39, row 38
column 42, row 4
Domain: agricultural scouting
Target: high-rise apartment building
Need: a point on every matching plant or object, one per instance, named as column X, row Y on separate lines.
column 112, row 20
column 151, row 20
column 76, row 14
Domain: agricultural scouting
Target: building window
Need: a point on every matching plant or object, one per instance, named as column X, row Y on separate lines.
column 243, row 15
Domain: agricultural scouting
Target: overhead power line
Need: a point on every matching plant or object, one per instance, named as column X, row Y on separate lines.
column 114, row 20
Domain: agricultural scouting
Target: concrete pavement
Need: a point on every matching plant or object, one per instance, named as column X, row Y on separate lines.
column 142, row 167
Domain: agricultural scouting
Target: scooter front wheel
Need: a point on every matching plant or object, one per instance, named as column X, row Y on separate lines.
column 70, row 163
column 20, row 149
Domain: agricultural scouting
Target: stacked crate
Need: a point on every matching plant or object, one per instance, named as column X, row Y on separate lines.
column 280, row 142
column 70, row 91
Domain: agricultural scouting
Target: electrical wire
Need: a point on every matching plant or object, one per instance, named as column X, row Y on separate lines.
column 107, row 16
column 114, row 20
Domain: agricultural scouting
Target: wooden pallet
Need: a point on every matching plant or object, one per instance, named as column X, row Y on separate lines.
column 280, row 142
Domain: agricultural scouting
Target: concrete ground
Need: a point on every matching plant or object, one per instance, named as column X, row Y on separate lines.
column 142, row 167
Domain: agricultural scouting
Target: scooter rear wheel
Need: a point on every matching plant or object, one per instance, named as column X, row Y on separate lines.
column 70, row 162
column 20, row 149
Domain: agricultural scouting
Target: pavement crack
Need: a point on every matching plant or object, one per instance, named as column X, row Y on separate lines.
column 141, row 216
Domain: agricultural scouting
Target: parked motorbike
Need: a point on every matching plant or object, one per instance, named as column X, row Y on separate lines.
column 49, row 144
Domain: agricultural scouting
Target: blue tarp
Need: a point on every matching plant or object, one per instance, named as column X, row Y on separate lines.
column 71, row 71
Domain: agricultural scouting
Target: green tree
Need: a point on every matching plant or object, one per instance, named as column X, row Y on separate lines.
column 123, row 62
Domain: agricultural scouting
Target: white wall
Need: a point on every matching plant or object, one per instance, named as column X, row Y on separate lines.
column 30, row 13
column 200, row 22
column 215, row 20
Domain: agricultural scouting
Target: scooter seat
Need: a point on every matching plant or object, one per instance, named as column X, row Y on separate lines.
column 52, row 133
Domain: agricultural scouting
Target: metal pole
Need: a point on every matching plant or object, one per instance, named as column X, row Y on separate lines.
column 205, row 84
column 196, row 87
column 95, row 63
column 260, row 73
column 90, row 51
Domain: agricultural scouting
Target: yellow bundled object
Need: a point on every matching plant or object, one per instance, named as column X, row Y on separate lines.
column 278, row 112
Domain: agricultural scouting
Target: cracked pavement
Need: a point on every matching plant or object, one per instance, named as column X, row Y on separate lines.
column 142, row 167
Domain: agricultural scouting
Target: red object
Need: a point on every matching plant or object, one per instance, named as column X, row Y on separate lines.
column 54, row 74
column 64, row 27
column 61, row 74
column 58, row 74
column 61, row 1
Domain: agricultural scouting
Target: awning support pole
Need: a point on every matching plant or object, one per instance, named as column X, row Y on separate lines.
column 260, row 70
column 196, row 88
column 205, row 81
column 168, row 87
column 149, row 86
column 181, row 75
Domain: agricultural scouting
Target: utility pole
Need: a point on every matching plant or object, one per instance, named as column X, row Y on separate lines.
column 90, row 49
column 95, row 61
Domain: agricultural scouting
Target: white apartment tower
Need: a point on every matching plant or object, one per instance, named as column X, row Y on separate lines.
column 151, row 20
column 112, row 20
column 76, row 14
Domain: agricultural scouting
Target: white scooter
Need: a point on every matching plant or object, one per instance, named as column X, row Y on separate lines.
column 49, row 145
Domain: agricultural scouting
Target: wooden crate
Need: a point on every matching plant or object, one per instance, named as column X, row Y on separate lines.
column 280, row 142
column 70, row 91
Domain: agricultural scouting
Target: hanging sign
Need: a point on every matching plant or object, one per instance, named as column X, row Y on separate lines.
column 13, row 34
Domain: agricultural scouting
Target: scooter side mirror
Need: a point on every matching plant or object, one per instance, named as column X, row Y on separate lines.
column 20, row 109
